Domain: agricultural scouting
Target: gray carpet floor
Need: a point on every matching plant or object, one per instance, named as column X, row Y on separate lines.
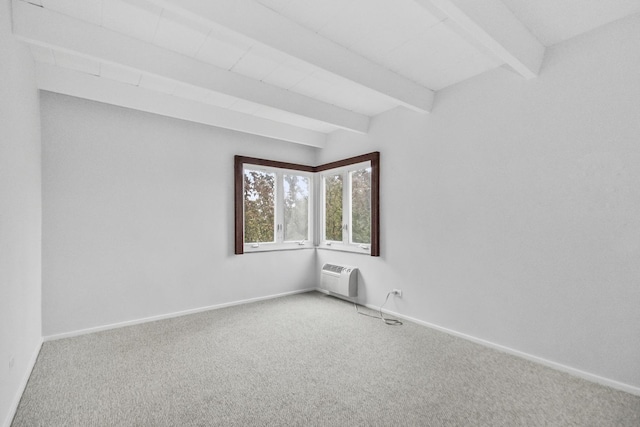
column 302, row 360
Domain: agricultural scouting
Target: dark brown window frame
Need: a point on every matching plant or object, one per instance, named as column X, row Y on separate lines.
column 374, row 158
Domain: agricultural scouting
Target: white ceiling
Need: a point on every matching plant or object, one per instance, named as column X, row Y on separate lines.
column 554, row 21
column 290, row 69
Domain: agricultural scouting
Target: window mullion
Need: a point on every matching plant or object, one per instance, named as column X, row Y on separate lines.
column 346, row 208
column 315, row 215
column 321, row 208
column 279, row 202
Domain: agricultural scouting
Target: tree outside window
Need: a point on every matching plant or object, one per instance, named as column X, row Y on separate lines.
column 361, row 206
column 296, row 207
column 259, row 206
column 333, row 207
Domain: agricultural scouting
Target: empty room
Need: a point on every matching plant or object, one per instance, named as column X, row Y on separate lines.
column 319, row 212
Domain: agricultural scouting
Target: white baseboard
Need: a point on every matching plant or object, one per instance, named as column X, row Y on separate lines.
column 168, row 316
column 551, row 364
column 22, row 386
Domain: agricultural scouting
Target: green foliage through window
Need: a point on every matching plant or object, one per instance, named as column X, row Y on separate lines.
column 361, row 206
column 333, row 207
column 259, row 206
column 296, row 207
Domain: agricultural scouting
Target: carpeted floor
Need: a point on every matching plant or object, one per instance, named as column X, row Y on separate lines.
column 302, row 360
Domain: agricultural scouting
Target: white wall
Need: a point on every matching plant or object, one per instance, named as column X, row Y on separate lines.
column 512, row 212
column 20, row 217
column 138, row 217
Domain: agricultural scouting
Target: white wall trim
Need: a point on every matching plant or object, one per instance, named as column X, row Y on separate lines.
column 168, row 315
column 22, row 386
column 545, row 362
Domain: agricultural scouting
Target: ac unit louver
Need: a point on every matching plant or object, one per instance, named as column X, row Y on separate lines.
column 340, row 279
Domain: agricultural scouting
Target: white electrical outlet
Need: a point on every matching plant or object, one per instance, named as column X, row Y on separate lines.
column 397, row 292
column 11, row 362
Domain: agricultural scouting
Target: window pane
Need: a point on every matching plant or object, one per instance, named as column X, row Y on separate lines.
column 259, row 206
column 333, row 207
column 361, row 206
column 296, row 207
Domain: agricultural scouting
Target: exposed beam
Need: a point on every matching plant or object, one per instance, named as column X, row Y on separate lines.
column 50, row 29
column 254, row 20
column 493, row 25
column 82, row 85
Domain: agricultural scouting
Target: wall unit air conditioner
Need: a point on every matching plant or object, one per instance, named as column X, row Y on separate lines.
column 339, row 279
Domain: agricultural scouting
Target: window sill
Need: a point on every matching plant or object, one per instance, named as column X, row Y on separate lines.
column 345, row 248
column 268, row 247
column 272, row 247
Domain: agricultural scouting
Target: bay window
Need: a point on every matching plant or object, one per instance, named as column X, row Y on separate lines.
column 282, row 205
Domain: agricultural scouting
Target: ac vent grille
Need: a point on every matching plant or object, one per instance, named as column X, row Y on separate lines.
column 333, row 268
